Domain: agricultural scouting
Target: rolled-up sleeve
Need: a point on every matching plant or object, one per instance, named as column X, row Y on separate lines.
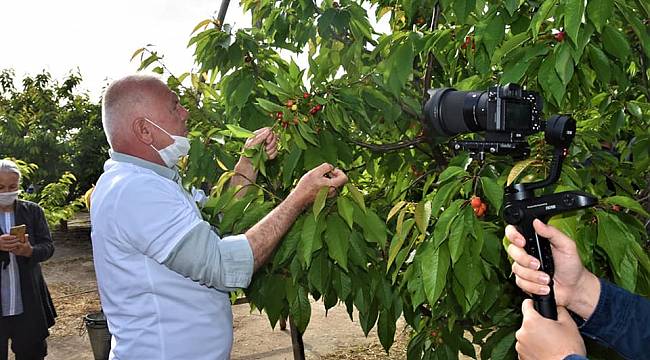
column 225, row 264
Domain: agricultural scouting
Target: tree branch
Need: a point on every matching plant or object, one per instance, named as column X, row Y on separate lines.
column 384, row 148
column 222, row 13
column 430, row 61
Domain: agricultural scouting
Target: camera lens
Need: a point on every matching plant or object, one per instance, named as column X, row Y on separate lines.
column 449, row 112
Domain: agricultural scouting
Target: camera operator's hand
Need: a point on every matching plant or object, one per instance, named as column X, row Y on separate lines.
column 540, row 338
column 575, row 287
column 324, row 175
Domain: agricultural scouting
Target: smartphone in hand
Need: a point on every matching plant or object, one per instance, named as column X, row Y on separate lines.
column 19, row 232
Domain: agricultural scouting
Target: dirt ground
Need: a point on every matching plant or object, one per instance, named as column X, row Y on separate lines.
column 71, row 279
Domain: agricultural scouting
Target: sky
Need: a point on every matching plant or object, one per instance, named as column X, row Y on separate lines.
column 99, row 37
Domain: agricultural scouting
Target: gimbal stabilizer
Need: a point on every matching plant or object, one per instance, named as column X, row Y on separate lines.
column 522, row 206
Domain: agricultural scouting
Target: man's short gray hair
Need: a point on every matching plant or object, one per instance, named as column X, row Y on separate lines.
column 122, row 100
column 9, row 166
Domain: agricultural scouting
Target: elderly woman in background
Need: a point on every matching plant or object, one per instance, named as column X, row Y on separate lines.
column 26, row 309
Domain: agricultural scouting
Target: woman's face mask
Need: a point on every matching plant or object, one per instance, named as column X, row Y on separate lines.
column 8, row 198
column 9, row 191
column 172, row 153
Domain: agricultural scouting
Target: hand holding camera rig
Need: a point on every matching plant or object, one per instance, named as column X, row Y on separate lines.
column 507, row 114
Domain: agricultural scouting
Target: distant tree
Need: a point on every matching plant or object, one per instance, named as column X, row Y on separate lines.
column 48, row 124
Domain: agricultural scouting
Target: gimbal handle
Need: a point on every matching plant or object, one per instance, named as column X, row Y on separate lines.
column 521, row 209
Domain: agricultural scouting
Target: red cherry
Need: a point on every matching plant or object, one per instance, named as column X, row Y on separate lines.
column 560, row 36
column 305, row 95
column 476, row 202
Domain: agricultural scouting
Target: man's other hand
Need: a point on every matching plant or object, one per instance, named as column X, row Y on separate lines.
column 541, row 339
column 325, row 175
column 267, row 137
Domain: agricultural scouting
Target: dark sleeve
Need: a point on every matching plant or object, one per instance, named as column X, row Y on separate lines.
column 40, row 237
column 620, row 322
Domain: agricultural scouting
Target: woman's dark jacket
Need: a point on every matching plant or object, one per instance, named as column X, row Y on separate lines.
column 38, row 309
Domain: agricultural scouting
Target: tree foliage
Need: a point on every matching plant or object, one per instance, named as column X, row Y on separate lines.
column 401, row 238
column 46, row 123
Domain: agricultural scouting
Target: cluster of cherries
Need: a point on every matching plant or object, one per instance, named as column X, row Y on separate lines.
column 480, row 208
column 293, row 106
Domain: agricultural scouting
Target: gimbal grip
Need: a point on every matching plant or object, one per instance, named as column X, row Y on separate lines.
column 540, row 248
column 545, row 304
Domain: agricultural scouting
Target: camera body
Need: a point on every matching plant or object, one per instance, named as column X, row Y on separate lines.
column 513, row 111
column 506, row 114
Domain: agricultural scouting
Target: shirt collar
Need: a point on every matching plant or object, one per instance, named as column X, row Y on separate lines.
column 171, row 174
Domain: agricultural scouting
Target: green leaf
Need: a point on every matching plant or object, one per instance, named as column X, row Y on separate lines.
column 289, row 165
column 493, row 192
column 374, row 228
column 434, row 264
column 136, row 53
column 202, row 24
column 615, row 43
column 289, row 243
column 519, row 168
column 242, row 90
column 300, row 310
column 356, row 195
column 345, row 209
column 386, row 327
column 395, row 73
column 508, row 46
column 443, row 225
column 599, row 12
column 457, row 235
column 306, row 245
column 422, row 215
column 319, row 201
column 600, row 63
column 494, row 32
column 541, row 15
column 469, row 275
column 504, row 346
column 337, row 238
column 239, row 132
column 564, row 63
column 319, row 273
column 549, row 81
column 625, row 202
column 395, row 209
column 452, row 172
column 443, row 195
column 614, row 238
column 573, row 11
column 307, row 133
column 398, row 241
column 270, row 106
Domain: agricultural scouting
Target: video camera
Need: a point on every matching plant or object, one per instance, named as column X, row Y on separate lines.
column 507, row 114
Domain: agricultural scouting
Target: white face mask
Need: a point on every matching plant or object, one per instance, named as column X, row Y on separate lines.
column 8, row 198
column 172, row 153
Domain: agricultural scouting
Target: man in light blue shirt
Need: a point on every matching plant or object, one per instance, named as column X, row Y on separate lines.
column 163, row 273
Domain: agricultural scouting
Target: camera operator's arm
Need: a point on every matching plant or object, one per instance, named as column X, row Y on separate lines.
column 613, row 316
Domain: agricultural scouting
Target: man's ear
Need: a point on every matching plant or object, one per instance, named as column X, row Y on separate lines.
column 142, row 131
